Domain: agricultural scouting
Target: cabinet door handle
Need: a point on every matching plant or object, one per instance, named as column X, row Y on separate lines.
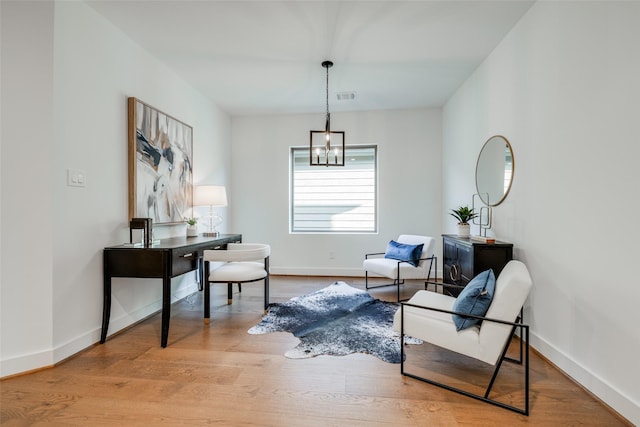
column 453, row 273
column 189, row 255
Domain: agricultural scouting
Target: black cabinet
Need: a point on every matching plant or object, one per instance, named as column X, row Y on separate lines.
column 464, row 258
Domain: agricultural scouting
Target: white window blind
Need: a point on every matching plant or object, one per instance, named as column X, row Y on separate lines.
column 340, row 199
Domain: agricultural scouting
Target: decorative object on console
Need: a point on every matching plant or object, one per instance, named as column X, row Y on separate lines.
column 337, row 320
column 463, row 214
column 484, row 218
column 326, row 147
column 144, row 224
column 483, row 239
column 212, row 196
column 192, row 227
column 160, row 165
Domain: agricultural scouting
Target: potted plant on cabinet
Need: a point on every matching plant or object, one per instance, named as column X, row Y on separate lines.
column 463, row 214
column 192, row 227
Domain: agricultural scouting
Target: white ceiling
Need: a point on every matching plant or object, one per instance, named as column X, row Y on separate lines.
column 263, row 57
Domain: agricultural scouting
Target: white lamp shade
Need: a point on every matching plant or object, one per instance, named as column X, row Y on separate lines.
column 210, row 195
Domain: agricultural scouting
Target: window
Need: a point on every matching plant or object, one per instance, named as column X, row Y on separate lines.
column 339, row 199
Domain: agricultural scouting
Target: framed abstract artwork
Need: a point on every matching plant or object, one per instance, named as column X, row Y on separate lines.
column 160, row 165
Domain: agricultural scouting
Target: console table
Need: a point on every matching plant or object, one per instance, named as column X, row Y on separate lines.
column 165, row 260
column 464, row 258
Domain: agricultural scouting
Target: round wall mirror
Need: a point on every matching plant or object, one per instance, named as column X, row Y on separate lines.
column 494, row 170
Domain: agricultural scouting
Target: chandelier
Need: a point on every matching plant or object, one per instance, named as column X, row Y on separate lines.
column 326, row 147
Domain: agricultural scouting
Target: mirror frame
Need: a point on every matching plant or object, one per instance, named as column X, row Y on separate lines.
column 513, row 168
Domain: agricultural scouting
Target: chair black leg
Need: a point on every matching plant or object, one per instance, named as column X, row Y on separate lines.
column 229, row 293
column 266, row 293
column 435, row 281
column 239, row 287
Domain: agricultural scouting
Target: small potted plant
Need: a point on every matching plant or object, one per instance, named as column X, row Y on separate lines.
column 192, row 226
column 463, row 214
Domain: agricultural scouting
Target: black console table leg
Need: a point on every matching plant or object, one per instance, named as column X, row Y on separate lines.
column 106, row 304
column 166, row 304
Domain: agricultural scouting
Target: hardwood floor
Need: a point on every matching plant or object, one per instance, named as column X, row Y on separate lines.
column 218, row 374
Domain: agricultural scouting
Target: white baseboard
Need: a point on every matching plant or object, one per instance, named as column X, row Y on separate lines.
column 617, row 400
column 316, row 271
column 33, row 361
column 26, row 363
column 321, row 271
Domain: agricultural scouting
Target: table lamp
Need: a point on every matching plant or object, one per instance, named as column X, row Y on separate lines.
column 212, row 196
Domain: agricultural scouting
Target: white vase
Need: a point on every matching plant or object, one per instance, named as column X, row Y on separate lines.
column 464, row 230
column 192, row 230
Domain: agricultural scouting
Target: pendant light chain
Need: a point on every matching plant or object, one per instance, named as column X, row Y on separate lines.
column 328, row 127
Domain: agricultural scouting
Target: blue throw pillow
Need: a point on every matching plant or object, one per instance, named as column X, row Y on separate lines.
column 474, row 299
column 403, row 252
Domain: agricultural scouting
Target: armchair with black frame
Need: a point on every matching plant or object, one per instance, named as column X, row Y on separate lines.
column 438, row 319
column 408, row 257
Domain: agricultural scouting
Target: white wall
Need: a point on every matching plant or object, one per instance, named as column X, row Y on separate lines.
column 69, row 110
column 563, row 87
column 27, row 126
column 409, row 177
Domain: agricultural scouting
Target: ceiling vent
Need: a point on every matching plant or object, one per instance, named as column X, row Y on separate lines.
column 346, row 96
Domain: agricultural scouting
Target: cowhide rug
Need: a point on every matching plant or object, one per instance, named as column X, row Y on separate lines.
column 337, row 320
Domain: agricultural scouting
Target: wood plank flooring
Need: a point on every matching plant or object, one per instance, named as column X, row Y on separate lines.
column 219, row 374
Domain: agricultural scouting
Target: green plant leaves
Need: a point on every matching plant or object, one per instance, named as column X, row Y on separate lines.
column 463, row 214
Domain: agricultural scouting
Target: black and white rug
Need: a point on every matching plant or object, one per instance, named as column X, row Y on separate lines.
column 337, row 320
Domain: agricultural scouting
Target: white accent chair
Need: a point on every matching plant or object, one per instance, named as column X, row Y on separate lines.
column 398, row 271
column 239, row 263
column 428, row 316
